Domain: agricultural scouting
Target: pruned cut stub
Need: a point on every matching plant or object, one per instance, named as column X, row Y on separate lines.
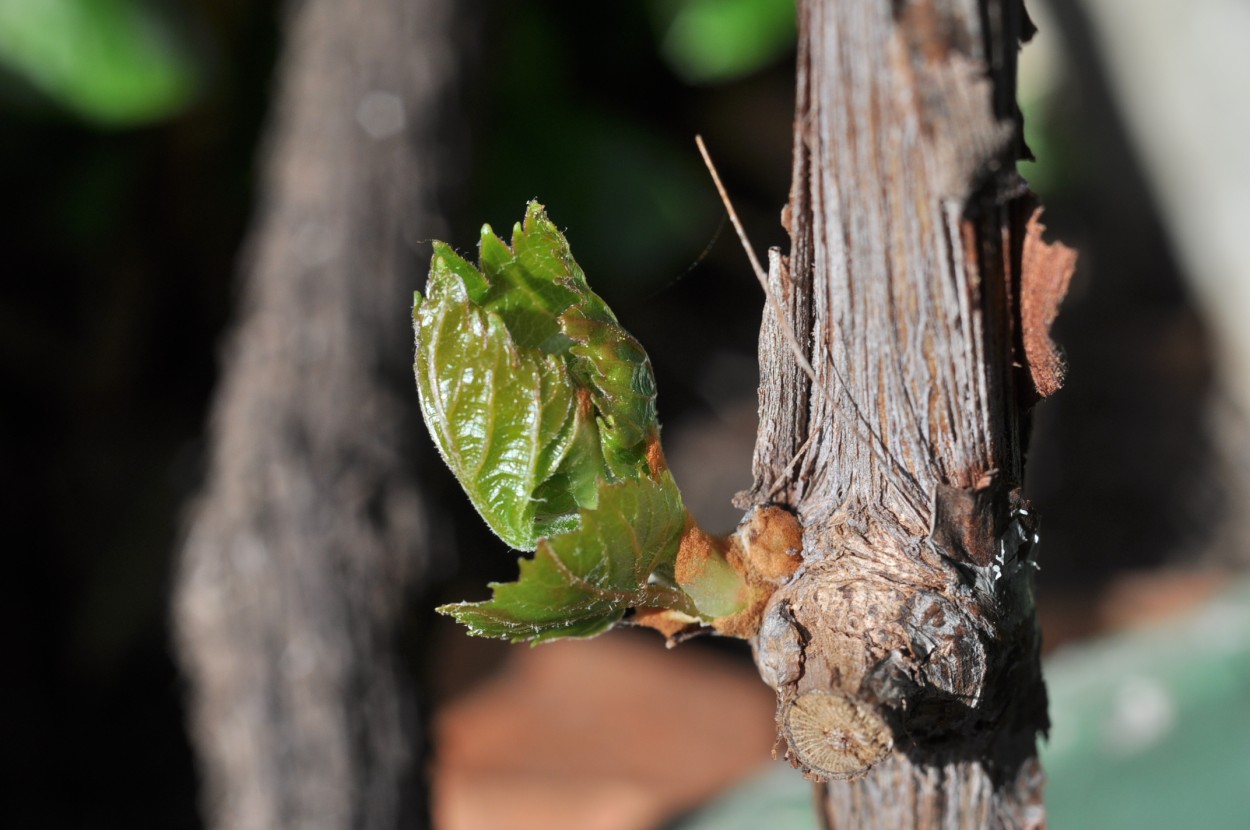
column 1046, row 270
column 865, row 641
column 833, row 735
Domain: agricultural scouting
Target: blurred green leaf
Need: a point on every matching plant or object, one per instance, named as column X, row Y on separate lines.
column 114, row 62
column 711, row 41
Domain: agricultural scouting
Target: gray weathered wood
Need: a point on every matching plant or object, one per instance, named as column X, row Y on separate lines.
column 912, row 615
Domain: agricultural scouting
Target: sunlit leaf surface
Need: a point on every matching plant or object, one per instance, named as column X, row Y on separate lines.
column 544, row 408
column 530, row 387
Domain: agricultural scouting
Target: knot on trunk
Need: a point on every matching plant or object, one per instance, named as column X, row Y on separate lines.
column 876, row 640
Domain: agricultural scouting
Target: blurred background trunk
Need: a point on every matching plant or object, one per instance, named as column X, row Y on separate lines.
column 292, row 597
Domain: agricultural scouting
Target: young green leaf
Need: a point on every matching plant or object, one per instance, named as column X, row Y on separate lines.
column 504, row 418
column 531, row 388
column 580, row 582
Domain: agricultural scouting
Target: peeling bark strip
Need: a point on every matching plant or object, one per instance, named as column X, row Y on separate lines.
column 904, row 651
column 1046, row 271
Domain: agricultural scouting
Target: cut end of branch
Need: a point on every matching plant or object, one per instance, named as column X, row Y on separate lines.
column 834, row 736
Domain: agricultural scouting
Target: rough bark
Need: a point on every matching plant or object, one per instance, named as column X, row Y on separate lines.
column 291, row 595
column 905, row 650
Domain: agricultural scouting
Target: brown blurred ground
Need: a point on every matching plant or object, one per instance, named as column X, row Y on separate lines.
column 606, row 735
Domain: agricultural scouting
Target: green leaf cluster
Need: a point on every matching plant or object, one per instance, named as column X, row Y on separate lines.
column 544, row 408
